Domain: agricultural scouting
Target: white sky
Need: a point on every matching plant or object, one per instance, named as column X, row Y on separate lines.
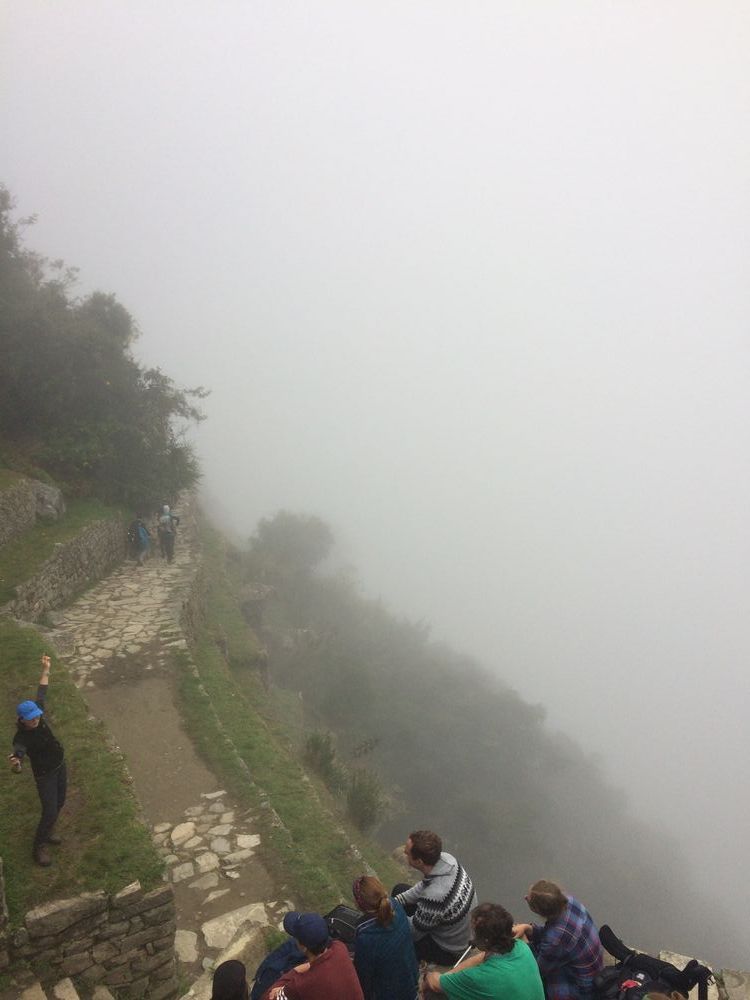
column 470, row 281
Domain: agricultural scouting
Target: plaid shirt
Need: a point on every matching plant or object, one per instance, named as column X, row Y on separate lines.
column 569, row 952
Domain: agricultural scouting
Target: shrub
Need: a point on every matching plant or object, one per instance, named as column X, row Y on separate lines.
column 365, row 800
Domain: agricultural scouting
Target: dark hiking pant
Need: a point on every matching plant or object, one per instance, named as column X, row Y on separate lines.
column 427, row 949
column 51, row 788
column 167, row 540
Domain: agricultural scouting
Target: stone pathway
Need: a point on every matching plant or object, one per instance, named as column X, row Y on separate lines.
column 119, row 639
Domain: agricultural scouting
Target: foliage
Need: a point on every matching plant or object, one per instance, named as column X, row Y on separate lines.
column 291, row 544
column 71, row 392
column 365, row 800
column 309, row 856
column 106, row 846
column 320, row 755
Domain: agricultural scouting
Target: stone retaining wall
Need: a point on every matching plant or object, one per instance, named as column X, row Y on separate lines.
column 73, row 566
column 125, row 941
column 25, row 502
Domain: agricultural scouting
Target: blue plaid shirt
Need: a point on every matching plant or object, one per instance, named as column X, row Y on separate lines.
column 569, row 952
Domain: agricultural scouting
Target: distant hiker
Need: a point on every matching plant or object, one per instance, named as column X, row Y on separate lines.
column 383, row 949
column 566, row 946
column 167, row 528
column 504, row 967
column 140, row 539
column 35, row 739
column 327, row 971
column 439, row 906
column 229, row 982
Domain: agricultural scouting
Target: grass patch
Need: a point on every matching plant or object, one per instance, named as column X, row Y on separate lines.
column 8, row 478
column 21, row 558
column 105, row 845
column 311, row 858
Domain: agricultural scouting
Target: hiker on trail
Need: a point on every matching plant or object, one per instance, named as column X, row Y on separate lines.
column 383, row 949
column 229, row 981
column 140, row 539
column 327, row 971
column 566, row 945
column 35, row 739
column 504, row 967
column 439, row 906
column 167, row 529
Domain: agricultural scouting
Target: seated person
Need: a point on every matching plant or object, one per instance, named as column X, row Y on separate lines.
column 505, row 966
column 327, row 972
column 439, row 906
column 566, row 945
column 383, row 949
column 229, row 982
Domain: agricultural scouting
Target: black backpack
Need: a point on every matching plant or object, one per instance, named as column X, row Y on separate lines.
column 342, row 924
column 635, row 975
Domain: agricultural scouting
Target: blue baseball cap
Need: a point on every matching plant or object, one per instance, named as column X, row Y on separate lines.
column 28, row 710
column 310, row 929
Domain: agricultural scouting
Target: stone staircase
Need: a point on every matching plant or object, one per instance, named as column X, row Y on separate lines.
column 64, row 990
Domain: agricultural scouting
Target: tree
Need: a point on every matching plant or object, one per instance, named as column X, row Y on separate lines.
column 291, row 543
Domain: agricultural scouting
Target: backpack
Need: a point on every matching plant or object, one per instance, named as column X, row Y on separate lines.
column 635, row 975
column 165, row 524
column 342, row 924
column 274, row 965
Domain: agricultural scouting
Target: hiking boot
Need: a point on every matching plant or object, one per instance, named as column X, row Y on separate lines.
column 54, row 840
column 41, row 856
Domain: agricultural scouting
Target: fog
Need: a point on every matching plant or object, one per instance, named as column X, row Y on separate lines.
column 471, row 283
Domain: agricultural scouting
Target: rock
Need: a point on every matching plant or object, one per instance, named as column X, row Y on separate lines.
column 236, row 857
column 220, row 931
column 186, row 946
column 183, row 871
column 65, row 990
column 54, row 917
column 209, row 881
column 193, row 843
column 681, row 961
column 231, row 874
column 217, row 807
column 248, row 840
column 194, row 811
column 736, row 984
column 182, row 833
column 228, row 817
column 215, row 895
column 221, row 845
column 34, row 992
column 207, row 862
column 48, row 500
column 102, row 993
column 212, row 795
column 220, row 831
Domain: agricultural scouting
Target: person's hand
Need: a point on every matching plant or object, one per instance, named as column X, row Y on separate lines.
column 46, row 663
column 304, row 967
column 522, row 931
column 15, row 762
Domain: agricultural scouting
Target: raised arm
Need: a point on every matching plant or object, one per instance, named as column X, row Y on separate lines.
column 46, row 664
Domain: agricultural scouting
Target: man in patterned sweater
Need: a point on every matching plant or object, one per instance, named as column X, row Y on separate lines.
column 439, row 907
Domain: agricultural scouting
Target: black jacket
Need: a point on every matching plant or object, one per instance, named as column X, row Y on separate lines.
column 42, row 746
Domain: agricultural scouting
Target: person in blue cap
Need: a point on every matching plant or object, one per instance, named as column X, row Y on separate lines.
column 328, row 971
column 34, row 739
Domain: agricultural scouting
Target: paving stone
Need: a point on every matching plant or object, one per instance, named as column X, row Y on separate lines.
column 213, row 795
column 193, row 843
column 182, row 833
column 208, row 881
column 65, row 990
column 183, row 871
column 221, row 845
column 237, row 856
column 215, row 895
column 34, row 992
column 186, row 946
column 220, row 931
column 228, row 817
column 222, row 830
column 248, row 840
column 195, row 810
column 207, row 862
column 162, row 827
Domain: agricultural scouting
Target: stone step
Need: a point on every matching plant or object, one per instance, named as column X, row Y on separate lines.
column 33, row 992
column 247, row 946
column 65, row 990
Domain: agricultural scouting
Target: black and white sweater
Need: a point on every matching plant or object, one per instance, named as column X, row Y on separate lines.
column 444, row 901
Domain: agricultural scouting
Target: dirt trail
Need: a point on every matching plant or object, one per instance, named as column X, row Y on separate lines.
column 118, row 639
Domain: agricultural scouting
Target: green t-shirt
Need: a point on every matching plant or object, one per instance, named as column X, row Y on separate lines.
column 513, row 976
